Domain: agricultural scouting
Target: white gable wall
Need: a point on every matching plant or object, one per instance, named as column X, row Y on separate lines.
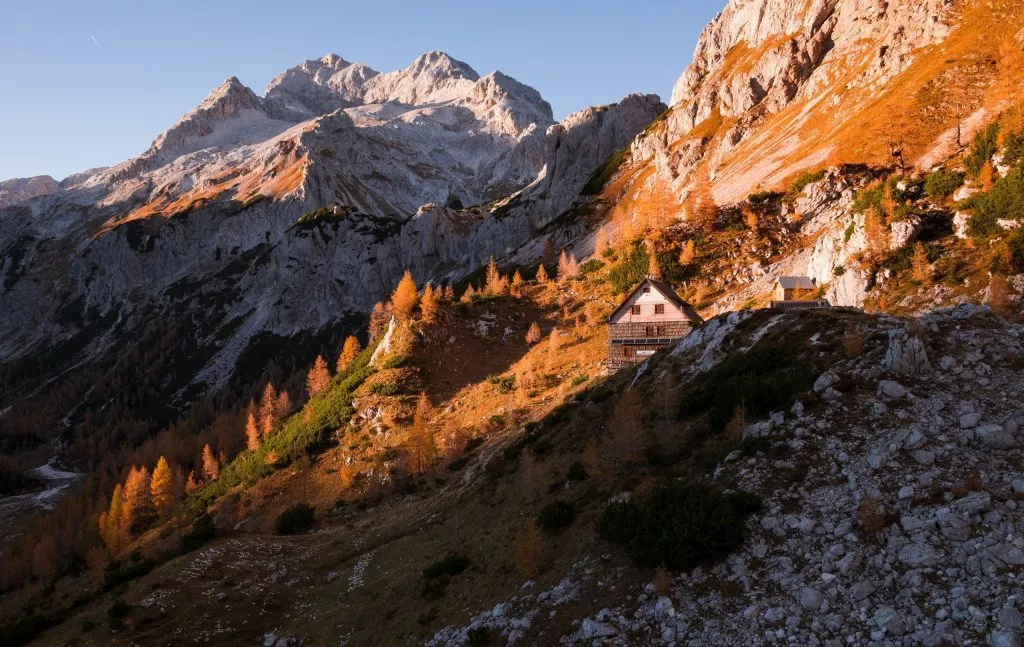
column 647, row 301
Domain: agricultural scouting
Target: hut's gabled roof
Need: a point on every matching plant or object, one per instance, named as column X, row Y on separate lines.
column 666, row 291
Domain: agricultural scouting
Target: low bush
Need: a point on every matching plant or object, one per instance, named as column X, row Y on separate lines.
column 396, row 361
column 763, row 379
column 383, row 388
column 942, row 184
column 202, row 531
column 984, row 146
column 503, row 383
column 679, row 525
column 295, row 520
column 591, row 266
column 1015, row 245
column 804, row 180
column 556, row 516
column 1004, row 202
column 437, row 576
column 762, row 196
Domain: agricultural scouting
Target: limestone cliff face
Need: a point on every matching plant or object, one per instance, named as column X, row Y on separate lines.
column 773, row 84
column 432, row 168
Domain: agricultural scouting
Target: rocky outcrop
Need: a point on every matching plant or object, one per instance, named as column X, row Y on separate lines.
column 21, row 189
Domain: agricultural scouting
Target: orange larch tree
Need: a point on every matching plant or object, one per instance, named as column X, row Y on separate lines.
column 428, row 304
column 319, row 377
column 349, row 351
column 405, row 297
column 421, row 440
column 268, row 410
column 138, row 505
column 211, row 468
column 161, row 488
column 252, row 432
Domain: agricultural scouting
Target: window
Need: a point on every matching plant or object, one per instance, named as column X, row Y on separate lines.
column 659, row 308
column 660, row 331
column 636, row 310
column 649, row 331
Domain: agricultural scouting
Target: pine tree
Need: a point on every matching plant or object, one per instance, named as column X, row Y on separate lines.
column 653, row 270
column 920, row 268
column 318, row 378
column 874, row 231
column 496, row 283
column 349, row 351
column 542, row 275
column 283, row 406
column 563, row 267
column 750, row 218
column 547, row 254
column 161, row 487
column 421, row 439
column 138, row 505
column 252, row 433
column 530, row 550
column 405, row 297
column 517, row 284
column 533, row 334
column 986, row 177
column 112, row 526
column 688, row 254
column 211, row 468
column 191, row 485
column 379, row 317
column 467, row 296
column 428, row 304
column 268, row 410
column 449, row 293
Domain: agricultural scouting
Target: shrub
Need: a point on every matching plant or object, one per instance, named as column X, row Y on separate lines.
column 396, row 361
column 556, row 516
column 202, row 531
column 590, row 266
column 437, row 576
column 295, row 520
column 1014, row 152
column 480, row 636
column 848, row 232
column 678, row 525
column 580, row 379
column 1015, row 245
column 450, row 565
column 984, row 146
column 577, row 472
column 1004, row 201
column 384, row 388
column 603, row 173
column 504, row 384
column 761, row 197
column 952, row 269
column 630, row 271
column 943, row 183
column 838, row 270
column 763, row 379
column 804, row 180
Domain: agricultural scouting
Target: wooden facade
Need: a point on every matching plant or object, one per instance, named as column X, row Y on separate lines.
column 796, row 293
column 649, row 319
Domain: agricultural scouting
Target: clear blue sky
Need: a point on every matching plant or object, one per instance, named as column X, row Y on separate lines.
column 91, row 82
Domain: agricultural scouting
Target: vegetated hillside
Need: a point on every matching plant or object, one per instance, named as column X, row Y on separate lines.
column 823, row 474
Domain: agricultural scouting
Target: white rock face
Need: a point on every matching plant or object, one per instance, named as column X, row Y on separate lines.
column 405, row 165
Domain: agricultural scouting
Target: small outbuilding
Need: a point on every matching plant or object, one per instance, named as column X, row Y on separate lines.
column 651, row 317
column 796, row 292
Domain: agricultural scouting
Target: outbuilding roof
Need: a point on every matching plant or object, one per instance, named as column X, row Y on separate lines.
column 796, row 283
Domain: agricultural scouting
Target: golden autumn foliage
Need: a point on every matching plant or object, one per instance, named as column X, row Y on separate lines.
column 467, row 296
column 379, row 317
column 999, row 298
column 429, row 304
column 688, row 254
column 138, row 504
column 653, row 269
column 349, row 351
column 750, row 218
column 112, row 526
column 876, row 233
column 496, row 283
column 161, row 488
column 601, row 243
column 542, row 275
column 405, row 298
column 986, row 177
column 421, row 440
column 268, row 410
column 701, row 207
column 211, row 468
column 319, row 377
column 533, row 334
column 567, row 267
